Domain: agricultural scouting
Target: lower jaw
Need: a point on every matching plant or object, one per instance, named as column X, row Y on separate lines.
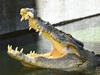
column 50, row 55
column 35, row 61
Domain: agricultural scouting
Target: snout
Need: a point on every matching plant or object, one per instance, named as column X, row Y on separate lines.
column 26, row 14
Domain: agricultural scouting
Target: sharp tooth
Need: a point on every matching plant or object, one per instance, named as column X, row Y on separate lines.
column 30, row 52
column 21, row 50
column 33, row 52
column 37, row 30
column 22, row 19
column 40, row 33
column 30, row 28
column 9, row 47
column 16, row 49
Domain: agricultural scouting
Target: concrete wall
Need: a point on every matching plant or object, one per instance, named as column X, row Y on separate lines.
column 59, row 10
column 87, row 30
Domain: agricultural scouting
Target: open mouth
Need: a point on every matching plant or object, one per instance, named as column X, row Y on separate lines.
column 17, row 53
column 57, row 52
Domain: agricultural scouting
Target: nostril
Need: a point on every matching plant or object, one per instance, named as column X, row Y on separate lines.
column 30, row 14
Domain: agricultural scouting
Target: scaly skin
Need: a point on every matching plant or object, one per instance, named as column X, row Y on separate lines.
column 67, row 54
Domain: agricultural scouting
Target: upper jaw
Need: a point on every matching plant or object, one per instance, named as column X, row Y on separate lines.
column 24, row 17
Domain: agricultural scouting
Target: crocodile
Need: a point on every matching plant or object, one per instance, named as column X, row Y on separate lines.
column 67, row 52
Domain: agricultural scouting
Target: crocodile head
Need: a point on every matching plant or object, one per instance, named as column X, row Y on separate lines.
column 46, row 31
column 62, row 43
